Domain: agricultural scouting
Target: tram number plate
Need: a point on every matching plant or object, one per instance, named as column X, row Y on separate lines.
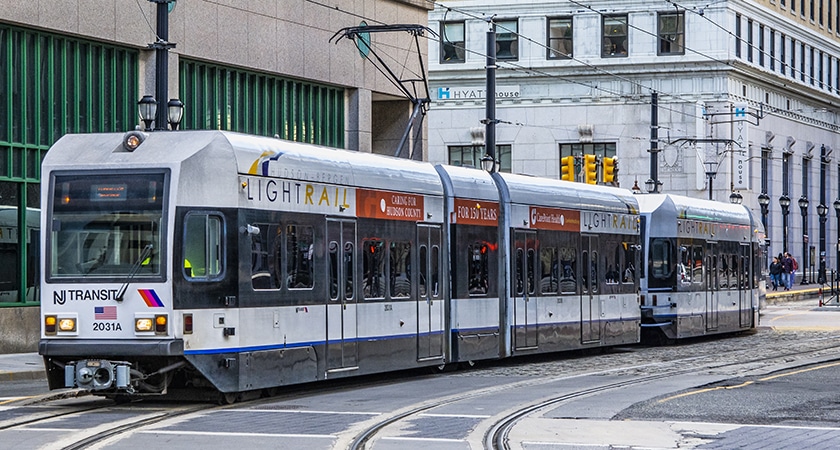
column 107, row 326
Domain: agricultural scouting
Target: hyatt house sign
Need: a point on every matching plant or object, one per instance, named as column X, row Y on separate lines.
column 475, row 93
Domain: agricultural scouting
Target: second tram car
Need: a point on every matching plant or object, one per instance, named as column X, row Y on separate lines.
column 211, row 259
column 703, row 266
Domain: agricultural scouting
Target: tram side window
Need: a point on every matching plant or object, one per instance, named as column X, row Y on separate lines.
column 373, row 269
column 264, row 245
column 423, row 275
column 518, row 276
column 568, row 270
column 400, row 273
column 435, row 271
column 612, row 275
column 660, row 258
column 549, row 271
column 349, row 261
column 684, row 272
column 478, row 268
column 734, row 273
column 723, row 272
column 697, row 264
column 628, row 274
column 203, row 246
column 300, row 244
column 333, row 274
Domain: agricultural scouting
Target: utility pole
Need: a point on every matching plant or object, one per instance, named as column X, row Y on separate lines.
column 490, row 100
column 162, row 46
column 653, row 183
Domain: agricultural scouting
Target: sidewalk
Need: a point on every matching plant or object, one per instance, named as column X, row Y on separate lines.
column 22, row 366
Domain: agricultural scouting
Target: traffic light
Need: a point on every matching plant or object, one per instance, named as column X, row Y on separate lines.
column 590, row 169
column 609, row 169
column 567, row 168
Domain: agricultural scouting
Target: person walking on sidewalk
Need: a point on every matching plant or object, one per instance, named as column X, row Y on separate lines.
column 789, row 265
column 776, row 273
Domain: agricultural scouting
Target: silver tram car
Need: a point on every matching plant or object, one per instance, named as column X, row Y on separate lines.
column 704, row 270
column 236, row 264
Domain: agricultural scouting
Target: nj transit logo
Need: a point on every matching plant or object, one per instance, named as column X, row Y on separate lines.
column 151, row 298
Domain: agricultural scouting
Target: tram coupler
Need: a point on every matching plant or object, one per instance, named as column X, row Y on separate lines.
column 98, row 375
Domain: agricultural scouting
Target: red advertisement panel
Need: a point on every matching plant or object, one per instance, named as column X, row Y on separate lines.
column 555, row 219
column 475, row 212
column 389, row 205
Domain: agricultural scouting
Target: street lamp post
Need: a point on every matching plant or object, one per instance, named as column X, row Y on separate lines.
column 803, row 208
column 784, row 202
column 822, row 211
column 764, row 203
column 837, row 255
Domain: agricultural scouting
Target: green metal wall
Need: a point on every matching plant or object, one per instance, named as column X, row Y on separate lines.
column 224, row 98
column 50, row 85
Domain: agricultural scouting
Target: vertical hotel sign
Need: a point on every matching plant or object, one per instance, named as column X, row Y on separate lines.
column 390, row 205
column 740, row 129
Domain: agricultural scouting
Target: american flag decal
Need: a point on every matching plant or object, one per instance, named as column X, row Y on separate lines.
column 105, row 313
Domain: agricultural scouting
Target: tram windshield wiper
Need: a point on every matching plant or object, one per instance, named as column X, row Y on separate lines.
column 147, row 253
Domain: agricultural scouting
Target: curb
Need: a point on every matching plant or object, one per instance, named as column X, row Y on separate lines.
column 24, row 375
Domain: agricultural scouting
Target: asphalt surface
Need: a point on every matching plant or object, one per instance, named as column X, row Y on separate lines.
column 795, row 408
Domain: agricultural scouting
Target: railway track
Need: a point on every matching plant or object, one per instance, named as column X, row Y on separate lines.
column 494, row 430
column 106, row 423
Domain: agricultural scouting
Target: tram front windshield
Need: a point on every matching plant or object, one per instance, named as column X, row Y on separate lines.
column 106, row 226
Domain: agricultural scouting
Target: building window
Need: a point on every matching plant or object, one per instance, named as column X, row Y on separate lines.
column 772, row 50
column 470, row 156
column 452, row 43
column 671, row 33
column 820, row 69
column 749, row 40
column 507, row 40
column 560, row 42
column 614, row 36
column 761, row 45
column 792, row 58
column 225, row 98
column 782, row 61
column 802, row 62
column 737, row 35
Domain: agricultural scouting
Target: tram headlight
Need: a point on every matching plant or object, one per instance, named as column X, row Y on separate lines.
column 143, row 324
column 67, row 324
column 133, row 139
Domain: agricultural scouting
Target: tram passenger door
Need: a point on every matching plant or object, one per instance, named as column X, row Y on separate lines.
column 342, row 351
column 523, row 286
column 712, row 287
column 745, row 287
column 590, row 306
column 429, row 294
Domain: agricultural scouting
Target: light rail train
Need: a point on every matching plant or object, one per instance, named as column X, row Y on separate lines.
column 236, row 264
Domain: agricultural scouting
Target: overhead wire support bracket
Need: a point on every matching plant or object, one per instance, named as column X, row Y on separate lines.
column 415, row 89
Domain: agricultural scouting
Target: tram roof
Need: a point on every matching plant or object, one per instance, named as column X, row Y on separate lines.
column 694, row 208
column 555, row 193
column 469, row 183
column 256, row 155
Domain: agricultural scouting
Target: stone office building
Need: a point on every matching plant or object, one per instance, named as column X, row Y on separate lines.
column 747, row 94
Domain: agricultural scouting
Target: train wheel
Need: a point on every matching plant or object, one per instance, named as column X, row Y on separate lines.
column 228, row 398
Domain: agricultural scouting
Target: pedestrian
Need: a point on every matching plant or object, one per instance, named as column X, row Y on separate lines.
column 788, row 270
column 776, row 273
